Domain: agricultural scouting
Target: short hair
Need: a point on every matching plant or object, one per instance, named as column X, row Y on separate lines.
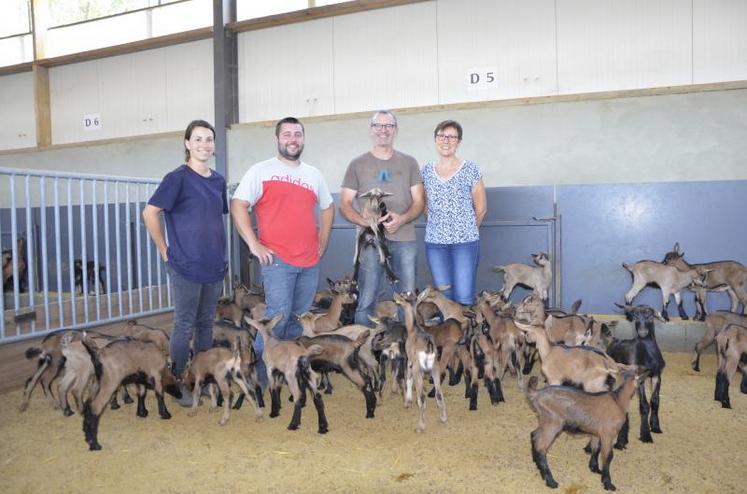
column 445, row 125
column 383, row 112
column 190, row 128
column 288, row 120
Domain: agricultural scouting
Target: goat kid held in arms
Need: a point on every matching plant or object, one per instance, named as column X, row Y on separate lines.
column 284, row 191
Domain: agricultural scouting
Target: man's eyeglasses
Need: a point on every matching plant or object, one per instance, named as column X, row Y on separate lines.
column 444, row 137
column 379, row 126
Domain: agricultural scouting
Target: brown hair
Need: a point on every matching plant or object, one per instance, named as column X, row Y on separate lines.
column 445, row 125
column 188, row 133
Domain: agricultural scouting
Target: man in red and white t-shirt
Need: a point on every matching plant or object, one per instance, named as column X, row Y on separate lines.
column 284, row 193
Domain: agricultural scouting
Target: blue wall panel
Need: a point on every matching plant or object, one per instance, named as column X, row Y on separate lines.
column 606, row 225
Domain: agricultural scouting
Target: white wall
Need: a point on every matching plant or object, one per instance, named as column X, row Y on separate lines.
column 423, row 54
column 17, row 111
column 682, row 137
column 147, row 92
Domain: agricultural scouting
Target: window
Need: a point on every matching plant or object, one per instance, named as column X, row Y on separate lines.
column 252, row 9
column 16, row 18
column 124, row 21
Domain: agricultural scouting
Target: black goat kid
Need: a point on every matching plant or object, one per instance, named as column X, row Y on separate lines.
column 644, row 352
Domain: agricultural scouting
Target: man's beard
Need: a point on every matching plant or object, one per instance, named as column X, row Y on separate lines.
column 291, row 157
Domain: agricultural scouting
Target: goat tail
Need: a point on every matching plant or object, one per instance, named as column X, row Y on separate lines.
column 33, row 351
column 94, row 354
column 499, row 269
column 312, row 351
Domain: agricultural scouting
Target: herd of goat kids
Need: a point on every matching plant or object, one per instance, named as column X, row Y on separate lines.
column 591, row 377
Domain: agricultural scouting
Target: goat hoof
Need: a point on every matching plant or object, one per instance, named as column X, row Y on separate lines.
column 327, row 391
column 222, row 422
column 647, row 439
column 609, row 486
column 260, row 418
column 94, row 447
column 115, row 406
column 292, row 427
column 587, row 450
column 656, row 430
column 725, row 404
column 274, row 414
column 67, row 412
column 323, row 430
column 696, row 367
column 128, row 400
column 165, row 416
column 551, row 484
column 619, row 446
column 142, row 414
column 192, row 413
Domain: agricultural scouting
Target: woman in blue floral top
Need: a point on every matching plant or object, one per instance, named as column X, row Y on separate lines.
column 455, row 205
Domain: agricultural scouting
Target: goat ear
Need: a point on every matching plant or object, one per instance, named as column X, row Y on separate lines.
column 374, row 319
column 658, row 315
column 677, row 247
column 330, row 283
column 443, row 288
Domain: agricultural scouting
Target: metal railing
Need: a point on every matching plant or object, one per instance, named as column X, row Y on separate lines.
column 76, row 253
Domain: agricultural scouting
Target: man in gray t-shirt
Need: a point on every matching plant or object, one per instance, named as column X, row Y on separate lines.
column 396, row 173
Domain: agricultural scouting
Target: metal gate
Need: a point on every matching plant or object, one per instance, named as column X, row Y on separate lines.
column 76, row 252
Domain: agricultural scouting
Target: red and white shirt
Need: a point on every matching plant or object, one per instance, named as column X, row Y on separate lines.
column 284, row 200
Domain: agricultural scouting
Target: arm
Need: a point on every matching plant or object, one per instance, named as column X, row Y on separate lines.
column 479, row 201
column 152, row 220
column 243, row 223
column 326, row 217
column 393, row 221
column 347, row 210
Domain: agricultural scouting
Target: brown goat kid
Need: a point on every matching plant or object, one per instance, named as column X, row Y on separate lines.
column 220, row 366
column 587, row 368
column 341, row 354
column 373, row 235
column 323, row 323
column 421, row 359
column 728, row 276
column 120, row 362
column 732, row 356
column 669, row 279
column 564, row 408
column 537, row 277
column 715, row 322
column 289, row 360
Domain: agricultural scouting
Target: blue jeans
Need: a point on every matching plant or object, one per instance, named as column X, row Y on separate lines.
column 455, row 265
column 194, row 314
column 371, row 273
column 289, row 290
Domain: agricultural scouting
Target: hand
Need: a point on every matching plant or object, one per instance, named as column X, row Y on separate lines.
column 262, row 253
column 392, row 222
